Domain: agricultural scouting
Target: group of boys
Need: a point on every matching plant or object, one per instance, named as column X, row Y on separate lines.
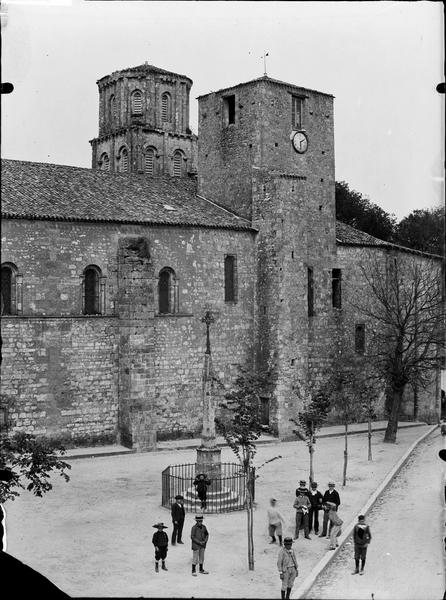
column 199, row 536
column 308, row 504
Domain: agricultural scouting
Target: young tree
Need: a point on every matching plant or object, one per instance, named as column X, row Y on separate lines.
column 241, row 428
column 404, row 306
column 316, row 406
column 30, row 460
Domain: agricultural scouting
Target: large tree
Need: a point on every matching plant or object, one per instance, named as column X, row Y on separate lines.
column 402, row 303
column 423, row 230
column 354, row 209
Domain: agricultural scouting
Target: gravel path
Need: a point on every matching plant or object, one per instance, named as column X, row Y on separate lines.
column 405, row 557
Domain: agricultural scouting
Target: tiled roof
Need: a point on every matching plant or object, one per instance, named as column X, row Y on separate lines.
column 267, row 79
column 349, row 236
column 43, row 191
column 141, row 68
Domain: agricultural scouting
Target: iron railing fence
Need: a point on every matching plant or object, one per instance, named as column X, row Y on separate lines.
column 226, row 493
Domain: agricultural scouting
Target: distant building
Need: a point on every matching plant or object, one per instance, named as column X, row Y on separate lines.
column 107, row 272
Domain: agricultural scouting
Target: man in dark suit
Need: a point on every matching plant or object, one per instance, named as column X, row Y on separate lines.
column 316, row 505
column 331, row 495
column 178, row 515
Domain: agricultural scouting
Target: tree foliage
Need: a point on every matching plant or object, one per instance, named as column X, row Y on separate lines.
column 354, row 209
column 241, row 426
column 423, row 230
column 403, row 304
column 314, row 412
column 31, row 460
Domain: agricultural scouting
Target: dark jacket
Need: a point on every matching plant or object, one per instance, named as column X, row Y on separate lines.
column 201, row 486
column 199, row 537
column 160, row 539
column 361, row 535
column 315, row 500
column 331, row 497
column 178, row 512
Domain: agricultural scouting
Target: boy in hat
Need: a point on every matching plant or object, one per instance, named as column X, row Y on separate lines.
column 361, row 539
column 287, row 565
column 331, row 495
column 178, row 515
column 302, row 505
column 316, row 505
column 199, row 536
column 160, row 541
column 201, row 483
column 275, row 521
column 335, row 525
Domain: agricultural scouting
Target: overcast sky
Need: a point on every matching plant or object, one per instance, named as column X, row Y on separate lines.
column 381, row 61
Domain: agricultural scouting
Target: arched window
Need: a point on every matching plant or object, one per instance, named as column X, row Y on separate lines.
column 123, row 160
column 92, row 291
column 178, row 162
column 104, row 162
column 166, row 108
column 10, row 301
column 137, row 103
column 167, row 291
column 149, row 161
column 112, row 108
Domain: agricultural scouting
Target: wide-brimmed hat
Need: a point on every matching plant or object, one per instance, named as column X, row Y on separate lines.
column 179, row 497
column 331, row 504
column 200, row 474
column 331, row 483
column 288, row 540
column 158, row 525
column 199, row 518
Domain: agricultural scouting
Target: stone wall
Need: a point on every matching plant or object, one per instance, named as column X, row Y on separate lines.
column 56, row 359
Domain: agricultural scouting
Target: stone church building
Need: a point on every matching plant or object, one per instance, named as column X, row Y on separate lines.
column 108, row 272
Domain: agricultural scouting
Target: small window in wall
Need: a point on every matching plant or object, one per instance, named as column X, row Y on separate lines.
column 310, row 291
column 264, row 411
column 112, row 108
column 166, row 108
column 9, row 295
column 104, row 162
column 167, row 291
column 230, row 278
column 92, row 291
column 123, row 160
column 296, row 112
column 360, row 338
column 178, row 161
column 229, row 109
column 336, row 288
column 149, row 161
column 136, row 103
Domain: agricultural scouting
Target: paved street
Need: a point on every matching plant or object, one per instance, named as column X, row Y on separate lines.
column 405, row 558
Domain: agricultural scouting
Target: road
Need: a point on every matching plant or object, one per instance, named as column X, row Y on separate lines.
column 405, row 558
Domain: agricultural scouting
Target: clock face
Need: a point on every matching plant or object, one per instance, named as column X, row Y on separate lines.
column 300, row 142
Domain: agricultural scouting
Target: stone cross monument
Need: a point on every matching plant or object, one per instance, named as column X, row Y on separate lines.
column 208, row 455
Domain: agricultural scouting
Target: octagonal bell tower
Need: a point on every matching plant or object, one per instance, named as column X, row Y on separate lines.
column 144, row 123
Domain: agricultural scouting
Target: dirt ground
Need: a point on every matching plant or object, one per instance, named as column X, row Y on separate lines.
column 92, row 536
column 405, row 557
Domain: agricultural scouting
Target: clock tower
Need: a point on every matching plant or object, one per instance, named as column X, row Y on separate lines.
column 266, row 151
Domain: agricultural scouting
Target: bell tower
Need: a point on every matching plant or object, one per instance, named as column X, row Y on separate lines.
column 144, row 123
column 266, row 151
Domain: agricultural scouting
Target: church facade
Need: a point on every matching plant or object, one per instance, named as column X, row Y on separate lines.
column 107, row 273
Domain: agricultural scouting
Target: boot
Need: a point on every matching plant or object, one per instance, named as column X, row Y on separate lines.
column 282, row 592
column 156, row 567
column 194, row 574
column 202, row 571
column 288, row 592
column 163, row 566
column 280, row 539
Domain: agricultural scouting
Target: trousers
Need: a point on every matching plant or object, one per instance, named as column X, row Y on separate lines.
column 302, row 518
column 289, row 575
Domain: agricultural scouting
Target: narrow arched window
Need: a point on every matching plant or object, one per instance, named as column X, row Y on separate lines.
column 92, row 290
column 112, row 108
column 149, row 161
column 104, row 162
column 123, row 160
column 167, row 291
column 137, row 103
column 166, row 108
column 230, row 278
column 9, row 293
column 178, row 160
